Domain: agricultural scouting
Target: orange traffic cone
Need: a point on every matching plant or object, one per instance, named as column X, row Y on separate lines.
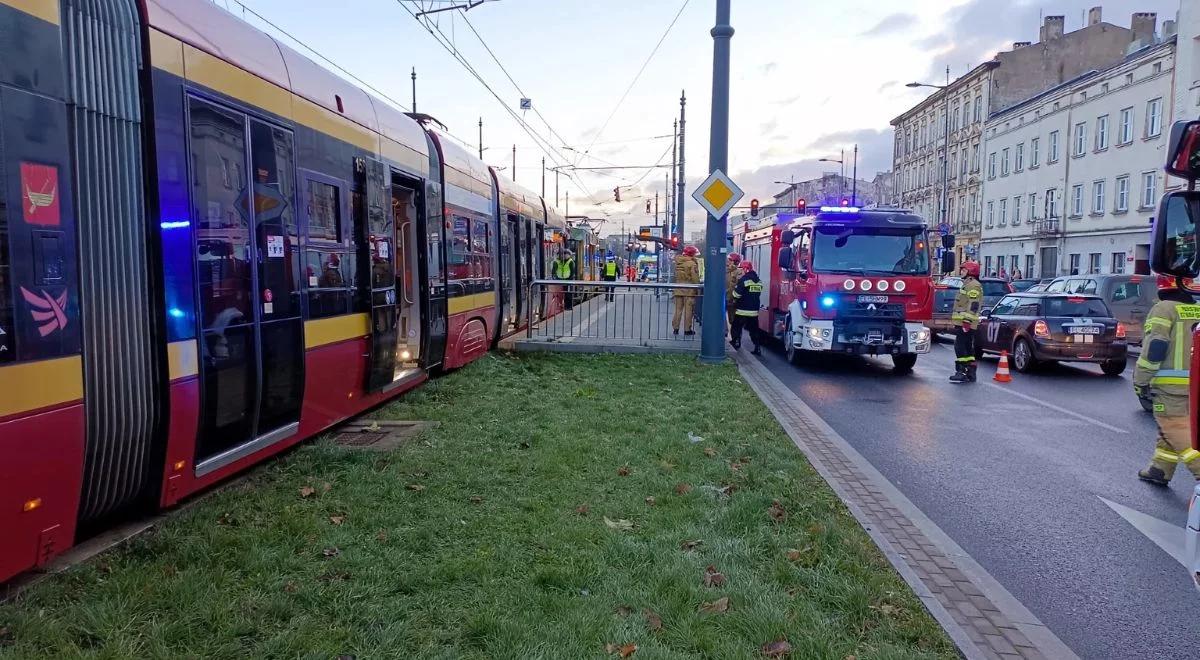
column 1002, row 375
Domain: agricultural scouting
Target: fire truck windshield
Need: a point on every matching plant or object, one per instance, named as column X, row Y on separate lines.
column 870, row 251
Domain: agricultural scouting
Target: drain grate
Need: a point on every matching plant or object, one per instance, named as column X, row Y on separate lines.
column 359, row 439
column 379, row 435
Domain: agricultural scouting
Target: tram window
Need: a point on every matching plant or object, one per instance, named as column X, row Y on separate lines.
column 324, row 217
column 276, row 229
column 328, row 277
column 8, row 348
column 480, row 244
column 460, row 242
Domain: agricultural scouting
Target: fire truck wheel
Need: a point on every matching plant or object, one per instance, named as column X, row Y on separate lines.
column 794, row 355
column 904, row 362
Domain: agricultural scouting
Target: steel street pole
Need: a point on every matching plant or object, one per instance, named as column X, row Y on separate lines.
column 712, row 340
column 854, row 180
column 679, row 180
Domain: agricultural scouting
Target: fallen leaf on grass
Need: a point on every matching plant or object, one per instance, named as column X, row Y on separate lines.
column 653, row 620
column 524, row 444
column 373, row 427
column 744, row 460
column 727, row 489
column 475, row 499
column 623, row 471
column 226, row 519
column 719, row 606
column 692, row 437
column 416, row 487
column 712, row 577
column 735, row 466
column 307, row 491
column 688, row 546
column 650, row 501
column 619, row 524
column 331, row 552
column 622, row 651
column 666, row 465
column 582, row 509
column 710, row 452
column 290, row 587
column 683, row 489
column 325, row 487
column 777, row 512
column 885, row 609
column 623, row 610
column 381, row 536
column 776, row 649
column 793, row 554
column 337, row 520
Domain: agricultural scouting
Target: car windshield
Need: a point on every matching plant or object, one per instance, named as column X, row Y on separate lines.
column 1075, row 306
column 994, row 288
column 866, row 250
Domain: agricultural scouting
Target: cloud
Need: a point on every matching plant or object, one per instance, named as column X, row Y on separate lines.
column 769, row 67
column 769, row 126
column 890, row 25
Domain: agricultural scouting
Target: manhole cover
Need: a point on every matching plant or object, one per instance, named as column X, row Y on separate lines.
column 379, row 435
column 359, row 439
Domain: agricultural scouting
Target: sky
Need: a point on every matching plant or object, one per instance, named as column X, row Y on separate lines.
column 808, row 79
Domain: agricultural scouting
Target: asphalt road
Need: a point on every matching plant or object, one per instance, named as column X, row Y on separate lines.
column 1014, row 474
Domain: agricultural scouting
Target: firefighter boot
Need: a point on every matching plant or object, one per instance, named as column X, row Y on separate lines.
column 1154, row 476
column 971, row 369
column 960, row 374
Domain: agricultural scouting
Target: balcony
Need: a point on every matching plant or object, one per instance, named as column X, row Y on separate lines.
column 1047, row 228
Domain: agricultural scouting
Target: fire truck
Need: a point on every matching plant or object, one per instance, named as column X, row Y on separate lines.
column 845, row 280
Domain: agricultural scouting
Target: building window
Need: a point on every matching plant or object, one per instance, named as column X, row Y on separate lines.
column 1077, row 200
column 1098, row 197
column 974, row 206
column 962, row 209
column 1004, row 163
column 975, row 158
column 1004, row 212
column 992, row 165
column 1033, row 152
column 991, row 215
column 1122, row 193
column 1073, row 260
column 1129, row 79
column 1016, row 213
column 966, row 116
column 978, row 108
column 1104, row 88
column 1094, row 263
column 1157, row 68
column 1019, row 165
column 1154, row 118
column 1118, row 263
column 954, row 119
column 962, row 166
column 1032, row 206
column 1052, row 203
column 324, row 211
column 987, row 266
column 1028, row 265
column 1102, row 133
column 1149, row 189
column 1126, row 135
column 1052, row 157
column 1080, row 138
column 953, row 165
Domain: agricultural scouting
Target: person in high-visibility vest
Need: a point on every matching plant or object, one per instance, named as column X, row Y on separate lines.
column 608, row 273
column 1162, row 376
column 967, row 304
column 687, row 271
column 562, row 267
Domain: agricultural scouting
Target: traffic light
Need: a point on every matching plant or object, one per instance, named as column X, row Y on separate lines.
column 647, row 206
column 617, row 194
column 845, row 201
column 801, row 205
column 754, row 208
column 675, row 242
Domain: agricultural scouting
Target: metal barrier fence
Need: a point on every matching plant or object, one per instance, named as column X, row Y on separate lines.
column 618, row 313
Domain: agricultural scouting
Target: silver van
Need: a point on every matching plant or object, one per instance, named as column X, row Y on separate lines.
column 1130, row 297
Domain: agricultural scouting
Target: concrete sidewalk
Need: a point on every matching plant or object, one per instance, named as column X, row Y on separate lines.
column 635, row 321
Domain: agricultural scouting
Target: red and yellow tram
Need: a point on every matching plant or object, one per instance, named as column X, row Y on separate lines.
column 211, row 249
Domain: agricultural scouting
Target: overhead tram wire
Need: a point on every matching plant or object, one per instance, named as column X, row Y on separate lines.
column 544, row 145
column 637, row 77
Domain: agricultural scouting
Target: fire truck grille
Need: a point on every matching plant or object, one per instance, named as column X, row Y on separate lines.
column 881, row 311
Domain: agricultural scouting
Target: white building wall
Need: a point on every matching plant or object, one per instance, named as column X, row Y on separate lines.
column 1107, row 232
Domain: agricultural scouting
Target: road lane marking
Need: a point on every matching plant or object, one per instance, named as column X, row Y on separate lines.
column 1170, row 538
column 1051, row 406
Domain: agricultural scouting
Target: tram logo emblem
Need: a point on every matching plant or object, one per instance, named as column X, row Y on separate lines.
column 39, row 185
column 49, row 312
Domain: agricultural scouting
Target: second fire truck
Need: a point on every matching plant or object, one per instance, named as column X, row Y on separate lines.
column 845, row 280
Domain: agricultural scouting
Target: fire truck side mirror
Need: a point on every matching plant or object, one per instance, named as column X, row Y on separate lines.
column 947, row 262
column 787, row 258
column 787, row 236
column 1173, row 249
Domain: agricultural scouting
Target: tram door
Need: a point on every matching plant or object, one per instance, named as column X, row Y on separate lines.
column 406, row 206
column 538, row 243
column 376, row 237
column 521, row 232
column 252, row 345
column 510, row 293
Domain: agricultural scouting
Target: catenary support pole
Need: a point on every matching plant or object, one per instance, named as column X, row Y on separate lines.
column 679, row 179
column 712, row 340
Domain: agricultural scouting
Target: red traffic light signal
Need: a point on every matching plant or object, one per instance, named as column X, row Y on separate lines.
column 754, row 208
column 845, row 201
column 801, row 205
column 675, row 242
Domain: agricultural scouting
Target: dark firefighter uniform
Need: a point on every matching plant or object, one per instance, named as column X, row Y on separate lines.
column 747, row 295
column 1162, row 375
column 967, row 305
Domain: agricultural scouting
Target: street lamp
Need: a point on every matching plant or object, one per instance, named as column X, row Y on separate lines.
column 792, row 187
column 945, row 216
column 841, row 173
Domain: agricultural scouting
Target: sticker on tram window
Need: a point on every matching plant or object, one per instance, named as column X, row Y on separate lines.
column 382, row 246
column 39, row 194
column 275, row 247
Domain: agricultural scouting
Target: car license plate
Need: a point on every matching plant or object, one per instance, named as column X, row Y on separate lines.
column 872, row 299
column 1085, row 329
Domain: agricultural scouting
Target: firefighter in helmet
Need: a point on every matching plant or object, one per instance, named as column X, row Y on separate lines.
column 687, row 271
column 747, row 295
column 1162, row 376
column 967, row 305
column 732, row 274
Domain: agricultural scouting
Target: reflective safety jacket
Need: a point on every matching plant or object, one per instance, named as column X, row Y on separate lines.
column 968, row 302
column 562, row 268
column 687, row 271
column 748, row 294
column 732, row 275
column 610, row 269
column 1166, row 356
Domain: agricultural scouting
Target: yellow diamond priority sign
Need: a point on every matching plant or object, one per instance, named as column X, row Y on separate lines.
column 717, row 194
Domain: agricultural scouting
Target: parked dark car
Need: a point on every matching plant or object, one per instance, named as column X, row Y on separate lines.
column 947, row 288
column 1023, row 284
column 1130, row 297
column 1049, row 327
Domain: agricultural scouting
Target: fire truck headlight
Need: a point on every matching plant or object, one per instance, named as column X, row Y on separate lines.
column 828, row 301
column 882, row 285
column 848, row 285
column 865, row 285
column 815, row 333
column 900, row 286
column 919, row 336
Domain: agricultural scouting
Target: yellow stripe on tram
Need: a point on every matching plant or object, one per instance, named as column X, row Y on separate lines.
column 47, row 10
column 321, row 332
column 182, row 361
column 29, row 386
column 460, row 304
